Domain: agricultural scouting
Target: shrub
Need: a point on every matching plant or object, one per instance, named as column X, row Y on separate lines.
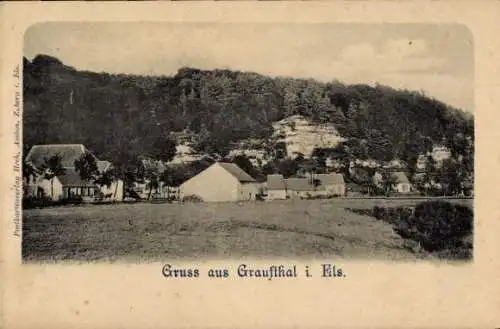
column 438, row 226
column 192, row 198
column 377, row 212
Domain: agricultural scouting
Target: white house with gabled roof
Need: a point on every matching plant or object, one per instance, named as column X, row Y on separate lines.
column 69, row 183
column 222, row 181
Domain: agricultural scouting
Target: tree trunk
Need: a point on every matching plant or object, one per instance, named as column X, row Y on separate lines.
column 52, row 189
column 116, row 190
column 149, row 193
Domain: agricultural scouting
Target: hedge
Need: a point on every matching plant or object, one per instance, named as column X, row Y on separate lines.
column 436, row 225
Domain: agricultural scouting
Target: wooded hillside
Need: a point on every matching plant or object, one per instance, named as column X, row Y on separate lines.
column 122, row 116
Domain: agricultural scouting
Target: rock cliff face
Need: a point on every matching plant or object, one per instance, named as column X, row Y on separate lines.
column 185, row 154
column 302, row 136
column 299, row 135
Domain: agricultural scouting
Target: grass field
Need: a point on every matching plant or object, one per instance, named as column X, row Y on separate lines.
column 147, row 232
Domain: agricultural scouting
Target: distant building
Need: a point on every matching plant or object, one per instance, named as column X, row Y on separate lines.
column 401, row 183
column 333, row 183
column 440, row 153
column 69, row 184
column 222, row 181
column 276, row 188
column 378, row 179
column 301, row 188
column 421, row 162
column 279, row 188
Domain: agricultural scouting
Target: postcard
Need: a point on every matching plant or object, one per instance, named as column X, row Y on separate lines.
column 218, row 164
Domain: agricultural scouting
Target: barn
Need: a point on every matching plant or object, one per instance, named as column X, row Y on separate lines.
column 222, row 181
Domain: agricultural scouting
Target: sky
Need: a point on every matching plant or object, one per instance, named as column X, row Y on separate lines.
column 435, row 59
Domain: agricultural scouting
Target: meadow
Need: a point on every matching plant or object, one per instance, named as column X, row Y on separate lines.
column 299, row 229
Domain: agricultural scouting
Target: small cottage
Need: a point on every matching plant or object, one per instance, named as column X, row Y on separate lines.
column 333, row 183
column 401, row 183
column 301, row 188
column 222, row 181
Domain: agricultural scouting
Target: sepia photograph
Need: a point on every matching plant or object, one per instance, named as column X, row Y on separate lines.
column 182, row 140
column 214, row 164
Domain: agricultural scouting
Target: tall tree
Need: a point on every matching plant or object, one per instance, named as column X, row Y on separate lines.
column 51, row 168
column 287, row 167
column 29, row 172
column 451, row 175
column 110, row 176
column 86, row 167
column 153, row 180
column 244, row 163
column 163, row 148
column 105, row 178
column 388, row 181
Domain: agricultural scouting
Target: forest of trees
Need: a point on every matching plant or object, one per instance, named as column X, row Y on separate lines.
column 122, row 117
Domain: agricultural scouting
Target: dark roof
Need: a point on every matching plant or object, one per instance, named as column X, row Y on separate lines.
column 330, row 179
column 275, row 182
column 400, row 177
column 299, row 184
column 237, row 172
column 70, row 178
column 68, row 153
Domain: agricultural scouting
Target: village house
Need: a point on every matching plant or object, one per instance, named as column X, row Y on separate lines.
column 222, row 181
column 68, row 184
column 275, row 187
column 401, row 183
column 301, row 188
column 279, row 188
column 440, row 153
column 426, row 184
column 333, row 183
column 377, row 179
column 421, row 164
